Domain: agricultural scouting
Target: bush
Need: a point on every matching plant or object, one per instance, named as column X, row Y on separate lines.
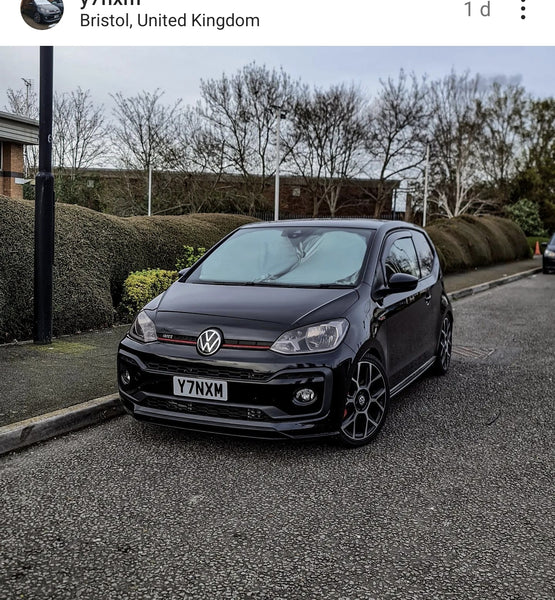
column 189, row 258
column 527, row 215
column 94, row 254
column 141, row 287
column 466, row 242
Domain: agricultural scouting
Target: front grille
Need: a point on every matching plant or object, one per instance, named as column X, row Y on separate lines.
column 194, row 370
column 207, row 410
column 227, row 343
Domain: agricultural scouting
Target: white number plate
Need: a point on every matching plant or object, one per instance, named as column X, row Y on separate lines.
column 207, row 389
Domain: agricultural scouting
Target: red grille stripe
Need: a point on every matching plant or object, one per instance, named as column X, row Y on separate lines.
column 190, row 343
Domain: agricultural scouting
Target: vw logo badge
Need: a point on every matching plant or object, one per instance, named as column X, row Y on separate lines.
column 209, row 342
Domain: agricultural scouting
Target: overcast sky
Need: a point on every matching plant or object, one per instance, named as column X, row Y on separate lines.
column 178, row 70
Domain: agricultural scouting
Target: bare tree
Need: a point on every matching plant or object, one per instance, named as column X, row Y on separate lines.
column 327, row 142
column 397, row 122
column 144, row 129
column 80, row 137
column 142, row 137
column 238, row 117
column 25, row 103
column 502, row 113
column 456, row 132
column 199, row 159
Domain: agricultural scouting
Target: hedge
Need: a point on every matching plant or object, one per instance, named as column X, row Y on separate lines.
column 96, row 252
column 467, row 242
column 93, row 256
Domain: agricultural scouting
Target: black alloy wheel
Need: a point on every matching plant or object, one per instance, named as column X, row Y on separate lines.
column 366, row 403
column 37, row 18
column 445, row 346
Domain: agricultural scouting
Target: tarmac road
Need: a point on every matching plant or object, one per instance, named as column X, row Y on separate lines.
column 453, row 500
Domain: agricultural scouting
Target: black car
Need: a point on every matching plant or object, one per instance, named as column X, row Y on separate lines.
column 548, row 259
column 291, row 329
column 41, row 11
column 59, row 4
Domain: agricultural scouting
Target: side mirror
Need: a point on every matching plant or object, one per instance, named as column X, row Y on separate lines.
column 184, row 271
column 402, row 282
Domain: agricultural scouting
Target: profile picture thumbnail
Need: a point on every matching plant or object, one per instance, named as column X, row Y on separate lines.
column 42, row 14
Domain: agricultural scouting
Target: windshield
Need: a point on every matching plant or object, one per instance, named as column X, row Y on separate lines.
column 287, row 256
column 42, row 3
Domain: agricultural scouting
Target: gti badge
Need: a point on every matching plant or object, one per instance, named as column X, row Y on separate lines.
column 209, row 342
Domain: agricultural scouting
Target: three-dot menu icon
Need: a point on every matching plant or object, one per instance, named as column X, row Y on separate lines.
column 523, row 8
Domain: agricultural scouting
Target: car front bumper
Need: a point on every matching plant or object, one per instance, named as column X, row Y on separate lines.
column 50, row 18
column 261, row 387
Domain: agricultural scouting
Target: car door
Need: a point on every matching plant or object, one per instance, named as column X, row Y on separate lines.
column 431, row 286
column 402, row 315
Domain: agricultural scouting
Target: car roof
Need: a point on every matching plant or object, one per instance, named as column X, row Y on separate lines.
column 374, row 224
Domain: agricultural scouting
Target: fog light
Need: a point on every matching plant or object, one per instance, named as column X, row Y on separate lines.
column 305, row 397
column 254, row 414
column 125, row 377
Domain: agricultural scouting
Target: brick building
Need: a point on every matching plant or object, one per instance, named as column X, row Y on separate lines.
column 356, row 198
column 15, row 133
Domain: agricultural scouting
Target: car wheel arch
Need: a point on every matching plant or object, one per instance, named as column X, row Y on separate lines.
column 373, row 349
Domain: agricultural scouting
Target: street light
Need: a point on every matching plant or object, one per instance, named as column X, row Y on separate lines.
column 426, row 173
column 280, row 114
column 149, row 208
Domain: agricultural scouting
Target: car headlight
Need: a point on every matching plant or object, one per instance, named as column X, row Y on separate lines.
column 549, row 253
column 312, row 338
column 143, row 328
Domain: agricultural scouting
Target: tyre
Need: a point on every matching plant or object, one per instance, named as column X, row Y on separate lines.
column 444, row 346
column 366, row 404
column 37, row 18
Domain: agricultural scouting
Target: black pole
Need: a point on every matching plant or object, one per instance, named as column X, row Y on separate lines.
column 44, row 206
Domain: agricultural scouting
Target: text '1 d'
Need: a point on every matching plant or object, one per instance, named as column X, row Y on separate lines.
column 478, row 8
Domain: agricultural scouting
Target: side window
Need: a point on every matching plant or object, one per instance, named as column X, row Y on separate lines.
column 424, row 252
column 401, row 258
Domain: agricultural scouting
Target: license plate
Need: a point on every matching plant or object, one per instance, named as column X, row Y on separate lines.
column 207, row 389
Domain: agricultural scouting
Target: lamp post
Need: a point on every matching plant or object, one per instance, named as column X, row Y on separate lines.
column 149, row 209
column 44, row 207
column 426, row 173
column 280, row 114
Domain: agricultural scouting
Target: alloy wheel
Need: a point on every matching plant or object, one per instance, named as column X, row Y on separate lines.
column 445, row 345
column 366, row 403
